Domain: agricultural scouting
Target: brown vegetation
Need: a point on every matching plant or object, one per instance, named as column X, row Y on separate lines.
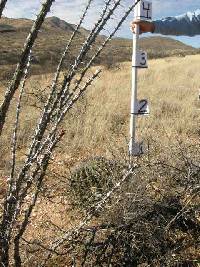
column 71, row 195
column 98, row 125
column 53, row 38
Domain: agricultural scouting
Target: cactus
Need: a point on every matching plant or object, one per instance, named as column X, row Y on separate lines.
column 90, row 180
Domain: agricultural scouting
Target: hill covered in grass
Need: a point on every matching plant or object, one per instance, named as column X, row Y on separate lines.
column 54, row 36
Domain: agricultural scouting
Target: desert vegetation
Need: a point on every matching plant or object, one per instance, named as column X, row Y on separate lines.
column 69, row 195
column 94, row 151
column 47, row 53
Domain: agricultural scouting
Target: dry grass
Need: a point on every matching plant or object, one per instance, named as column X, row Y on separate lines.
column 99, row 124
column 171, row 85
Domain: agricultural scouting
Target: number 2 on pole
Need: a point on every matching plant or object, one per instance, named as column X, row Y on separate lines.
column 143, row 108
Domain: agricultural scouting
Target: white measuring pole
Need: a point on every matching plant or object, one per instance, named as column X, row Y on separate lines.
column 143, row 11
column 133, row 121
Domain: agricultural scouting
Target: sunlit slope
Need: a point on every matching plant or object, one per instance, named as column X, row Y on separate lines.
column 54, row 36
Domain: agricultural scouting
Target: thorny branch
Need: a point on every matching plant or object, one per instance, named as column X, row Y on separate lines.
column 64, row 96
column 31, row 159
column 2, row 6
column 52, row 104
column 22, row 63
column 14, row 141
column 90, row 215
column 7, row 222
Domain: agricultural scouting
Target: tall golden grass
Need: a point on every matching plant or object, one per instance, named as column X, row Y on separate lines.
column 100, row 122
column 171, row 85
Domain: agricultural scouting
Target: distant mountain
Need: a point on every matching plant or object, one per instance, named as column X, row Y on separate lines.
column 56, row 32
column 156, row 47
column 59, row 24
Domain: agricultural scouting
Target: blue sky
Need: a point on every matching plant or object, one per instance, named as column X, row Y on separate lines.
column 70, row 11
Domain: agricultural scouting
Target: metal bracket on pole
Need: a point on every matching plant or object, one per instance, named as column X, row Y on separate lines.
column 142, row 11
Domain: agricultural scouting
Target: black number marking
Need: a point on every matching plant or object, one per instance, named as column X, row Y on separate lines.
column 144, row 104
column 138, row 149
column 147, row 9
column 143, row 61
column 141, row 149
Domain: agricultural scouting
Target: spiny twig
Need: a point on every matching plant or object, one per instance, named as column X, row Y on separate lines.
column 48, row 109
column 69, row 104
column 22, row 63
column 9, row 214
column 2, row 6
column 74, row 232
column 14, row 140
column 105, row 43
column 46, row 136
column 55, row 80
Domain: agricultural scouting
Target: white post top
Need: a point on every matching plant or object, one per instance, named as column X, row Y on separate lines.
column 143, row 10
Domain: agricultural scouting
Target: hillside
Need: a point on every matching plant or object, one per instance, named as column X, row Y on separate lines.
column 53, row 38
column 156, row 47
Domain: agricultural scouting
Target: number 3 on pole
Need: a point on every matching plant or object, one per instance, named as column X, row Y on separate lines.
column 140, row 61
